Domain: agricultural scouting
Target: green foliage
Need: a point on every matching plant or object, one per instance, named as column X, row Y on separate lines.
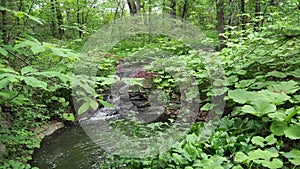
column 262, row 127
column 16, row 165
column 261, row 124
column 34, row 76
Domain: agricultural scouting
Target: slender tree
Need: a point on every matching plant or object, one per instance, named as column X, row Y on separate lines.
column 185, row 9
column 221, row 23
column 257, row 14
column 4, row 23
column 243, row 14
column 60, row 21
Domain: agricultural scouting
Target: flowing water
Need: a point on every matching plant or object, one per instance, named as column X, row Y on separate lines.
column 68, row 148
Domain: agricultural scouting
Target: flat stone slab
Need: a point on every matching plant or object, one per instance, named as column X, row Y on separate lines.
column 48, row 129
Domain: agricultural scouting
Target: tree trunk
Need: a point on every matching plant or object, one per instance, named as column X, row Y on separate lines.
column 80, row 31
column 257, row 14
column 60, row 21
column 53, row 23
column 243, row 15
column 4, row 30
column 221, row 23
column 134, row 6
column 185, row 9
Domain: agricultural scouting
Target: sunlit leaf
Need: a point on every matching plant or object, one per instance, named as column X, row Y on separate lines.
column 293, row 132
column 278, row 127
column 28, row 69
column 3, row 51
column 34, row 82
column 259, row 107
column 293, row 156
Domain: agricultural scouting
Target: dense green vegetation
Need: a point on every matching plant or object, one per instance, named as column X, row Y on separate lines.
column 256, row 41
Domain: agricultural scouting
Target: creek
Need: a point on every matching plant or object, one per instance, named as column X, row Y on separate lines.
column 72, row 148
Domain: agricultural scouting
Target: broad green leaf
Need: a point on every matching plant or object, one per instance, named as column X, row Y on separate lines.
column 279, row 115
column 259, row 85
column 276, row 98
column 277, row 74
column 241, row 96
column 206, row 107
column 189, row 152
column 157, row 80
column 26, row 43
column 293, row 132
column 244, row 83
column 273, row 164
column 259, row 107
column 293, row 156
column 108, row 80
column 28, row 69
column 4, row 83
column 258, row 141
column 178, row 158
column 218, row 91
column 48, row 73
column 270, row 139
column 90, row 90
column 231, row 80
column 296, row 99
column 240, row 157
column 69, row 117
column 133, row 81
column 34, row 82
column 295, row 73
column 63, row 52
column 289, row 87
column 83, row 108
column 192, row 138
column 94, row 104
column 278, row 127
column 7, row 70
column 37, row 48
column 262, row 155
column 3, row 51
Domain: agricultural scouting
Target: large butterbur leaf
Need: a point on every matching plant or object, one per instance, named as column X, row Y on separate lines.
column 289, row 87
column 293, row 132
column 278, row 127
column 293, row 156
column 259, row 107
column 241, row 96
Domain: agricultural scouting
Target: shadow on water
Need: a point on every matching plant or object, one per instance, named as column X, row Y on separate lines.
column 68, row 148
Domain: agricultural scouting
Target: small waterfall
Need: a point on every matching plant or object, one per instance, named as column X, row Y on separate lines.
column 123, row 102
